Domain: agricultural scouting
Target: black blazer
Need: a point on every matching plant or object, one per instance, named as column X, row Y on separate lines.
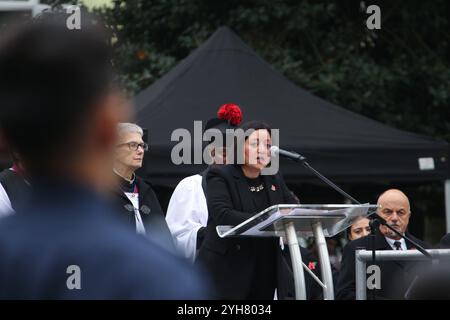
column 396, row 276
column 445, row 241
column 231, row 262
column 152, row 215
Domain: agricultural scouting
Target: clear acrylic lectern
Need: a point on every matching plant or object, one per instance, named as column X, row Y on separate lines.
column 290, row 221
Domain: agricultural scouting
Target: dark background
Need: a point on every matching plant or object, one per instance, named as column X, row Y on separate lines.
column 398, row 75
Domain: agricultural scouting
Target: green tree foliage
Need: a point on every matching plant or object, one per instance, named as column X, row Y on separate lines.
column 399, row 75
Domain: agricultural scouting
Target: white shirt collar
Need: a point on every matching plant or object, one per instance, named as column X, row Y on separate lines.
column 130, row 181
column 402, row 242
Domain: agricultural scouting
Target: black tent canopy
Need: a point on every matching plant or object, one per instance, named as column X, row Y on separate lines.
column 341, row 144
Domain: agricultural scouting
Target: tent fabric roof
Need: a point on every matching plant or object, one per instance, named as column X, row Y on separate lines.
column 340, row 143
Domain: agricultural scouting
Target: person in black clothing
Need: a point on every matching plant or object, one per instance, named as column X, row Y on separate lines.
column 243, row 268
column 187, row 213
column 59, row 110
column 138, row 204
column 396, row 276
column 14, row 188
column 445, row 241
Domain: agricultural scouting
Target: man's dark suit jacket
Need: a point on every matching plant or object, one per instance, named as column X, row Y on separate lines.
column 65, row 225
column 396, row 276
column 231, row 261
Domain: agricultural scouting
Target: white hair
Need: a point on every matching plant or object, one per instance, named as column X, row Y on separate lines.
column 126, row 127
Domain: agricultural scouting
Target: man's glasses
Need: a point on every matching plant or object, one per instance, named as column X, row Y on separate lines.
column 133, row 146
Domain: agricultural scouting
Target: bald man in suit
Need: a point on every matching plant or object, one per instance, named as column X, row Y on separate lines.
column 396, row 276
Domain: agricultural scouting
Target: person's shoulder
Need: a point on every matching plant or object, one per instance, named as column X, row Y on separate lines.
column 356, row 244
column 8, row 226
column 225, row 170
column 445, row 241
column 144, row 185
column 6, row 173
column 143, row 181
column 189, row 183
column 141, row 268
column 419, row 241
column 157, row 268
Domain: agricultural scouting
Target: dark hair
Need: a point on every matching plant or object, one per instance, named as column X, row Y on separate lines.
column 348, row 232
column 50, row 78
column 255, row 125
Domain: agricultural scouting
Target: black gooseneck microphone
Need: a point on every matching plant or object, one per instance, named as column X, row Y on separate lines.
column 276, row 151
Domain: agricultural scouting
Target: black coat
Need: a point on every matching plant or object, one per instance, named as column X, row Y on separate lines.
column 445, row 241
column 396, row 276
column 15, row 187
column 231, row 261
column 151, row 212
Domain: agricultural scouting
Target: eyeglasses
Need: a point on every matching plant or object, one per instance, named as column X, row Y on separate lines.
column 133, row 146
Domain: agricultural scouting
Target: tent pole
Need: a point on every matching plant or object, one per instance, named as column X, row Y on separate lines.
column 447, row 204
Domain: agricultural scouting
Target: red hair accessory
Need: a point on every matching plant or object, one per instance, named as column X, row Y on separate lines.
column 231, row 113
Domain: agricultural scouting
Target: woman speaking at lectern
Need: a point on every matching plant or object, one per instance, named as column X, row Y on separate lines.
column 244, row 268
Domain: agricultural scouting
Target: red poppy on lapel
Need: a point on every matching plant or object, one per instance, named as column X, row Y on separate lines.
column 273, row 188
column 312, row 265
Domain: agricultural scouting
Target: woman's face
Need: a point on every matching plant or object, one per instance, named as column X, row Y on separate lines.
column 257, row 149
column 126, row 154
column 360, row 229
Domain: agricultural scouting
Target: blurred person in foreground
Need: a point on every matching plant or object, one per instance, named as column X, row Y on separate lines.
column 396, row 276
column 60, row 112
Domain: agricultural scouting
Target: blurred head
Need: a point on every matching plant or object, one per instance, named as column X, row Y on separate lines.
column 59, row 107
column 359, row 229
column 395, row 209
column 257, row 145
column 130, row 146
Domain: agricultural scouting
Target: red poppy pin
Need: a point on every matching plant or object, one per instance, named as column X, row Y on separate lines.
column 312, row 265
column 273, row 188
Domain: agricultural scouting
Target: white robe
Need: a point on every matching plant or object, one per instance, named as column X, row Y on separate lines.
column 5, row 203
column 186, row 214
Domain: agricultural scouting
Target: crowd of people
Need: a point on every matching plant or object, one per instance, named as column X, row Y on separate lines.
column 72, row 196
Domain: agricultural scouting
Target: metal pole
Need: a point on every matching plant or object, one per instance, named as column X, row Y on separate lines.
column 360, row 271
column 324, row 259
column 361, row 256
column 296, row 257
column 447, row 203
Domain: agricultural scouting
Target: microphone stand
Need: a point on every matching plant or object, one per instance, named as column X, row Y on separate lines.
column 376, row 220
column 374, row 226
column 374, row 216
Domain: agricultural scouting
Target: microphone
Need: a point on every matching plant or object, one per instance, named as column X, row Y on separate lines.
column 274, row 151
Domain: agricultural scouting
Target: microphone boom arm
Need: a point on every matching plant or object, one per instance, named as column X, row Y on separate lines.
column 382, row 221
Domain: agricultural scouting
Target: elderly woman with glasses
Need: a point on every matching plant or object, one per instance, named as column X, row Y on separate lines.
column 139, row 207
